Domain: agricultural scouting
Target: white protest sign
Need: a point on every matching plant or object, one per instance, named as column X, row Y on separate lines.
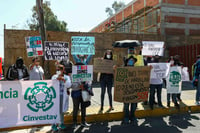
column 159, row 70
column 174, row 82
column 152, row 48
column 185, row 74
column 56, row 50
column 29, row 103
column 82, row 73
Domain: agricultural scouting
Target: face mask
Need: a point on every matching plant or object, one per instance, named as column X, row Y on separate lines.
column 58, row 72
column 130, row 63
column 108, row 56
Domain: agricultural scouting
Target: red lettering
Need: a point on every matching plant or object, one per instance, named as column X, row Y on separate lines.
column 142, row 95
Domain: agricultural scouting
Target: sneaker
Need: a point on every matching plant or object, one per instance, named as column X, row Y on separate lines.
column 134, row 122
column 100, row 111
column 110, row 109
column 54, row 128
column 62, row 126
column 155, row 103
column 161, row 106
column 177, row 105
column 74, row 126
column 197, row 103
column 151, row 107
column 85, row 124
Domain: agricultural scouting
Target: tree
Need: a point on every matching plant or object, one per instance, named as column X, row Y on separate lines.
column 116, row 6
column 50, row 19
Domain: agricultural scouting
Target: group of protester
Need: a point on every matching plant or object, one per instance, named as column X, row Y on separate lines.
column 19, row 71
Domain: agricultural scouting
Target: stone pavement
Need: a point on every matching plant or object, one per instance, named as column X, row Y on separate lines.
column 187, row 105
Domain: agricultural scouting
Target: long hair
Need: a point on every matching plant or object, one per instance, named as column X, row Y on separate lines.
column 105, row 55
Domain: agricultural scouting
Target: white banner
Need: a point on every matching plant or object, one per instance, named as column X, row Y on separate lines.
column 159, row 70
column 29, row 103
column 82, row 73
column 174, row 81
column 153, row 48
column 185, row 74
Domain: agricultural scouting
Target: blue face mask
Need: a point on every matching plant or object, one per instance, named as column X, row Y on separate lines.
column 130, row 63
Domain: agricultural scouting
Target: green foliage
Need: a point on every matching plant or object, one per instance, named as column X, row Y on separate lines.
column 50, row 20
column 116, row 6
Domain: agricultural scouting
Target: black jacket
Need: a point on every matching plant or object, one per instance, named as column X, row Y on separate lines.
column 12, row 73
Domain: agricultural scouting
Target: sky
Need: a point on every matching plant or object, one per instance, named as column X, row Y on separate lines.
column 80, row 15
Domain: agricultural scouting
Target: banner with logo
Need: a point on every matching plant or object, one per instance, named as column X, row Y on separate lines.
column 103, row 66
column 82, row 73
column 1, row 71
column 174, row 81
column 159, row 70
column 152, row 48
column 34, row 46
column 29, row 103
column 83, row 45
column 131, row 84
column 56, row 50
column 185, row 74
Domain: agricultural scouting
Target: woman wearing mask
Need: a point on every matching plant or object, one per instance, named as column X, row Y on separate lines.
column 106, row 81
column 36, row 71
column 64, row 83
column 130, row 114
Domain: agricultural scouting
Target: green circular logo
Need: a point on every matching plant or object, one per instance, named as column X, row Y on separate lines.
column 40, row 97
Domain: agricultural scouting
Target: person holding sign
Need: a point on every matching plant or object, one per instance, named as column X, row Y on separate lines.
column 64, row 82
column 196, row 79
column 106, row 81
column 36, row 71
column 130, row 114
column 155, row 85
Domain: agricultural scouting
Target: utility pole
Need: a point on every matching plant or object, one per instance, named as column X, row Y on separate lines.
column 40, row 11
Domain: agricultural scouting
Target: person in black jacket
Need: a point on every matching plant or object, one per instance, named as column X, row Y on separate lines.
column 106, row 81
column 17, row 71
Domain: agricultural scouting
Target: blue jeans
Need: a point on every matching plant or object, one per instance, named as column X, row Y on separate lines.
column 129, row 114
column 106, row 82
column 198, row 90
column 158, row 89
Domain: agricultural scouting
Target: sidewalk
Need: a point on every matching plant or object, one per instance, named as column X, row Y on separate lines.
column 187, row 105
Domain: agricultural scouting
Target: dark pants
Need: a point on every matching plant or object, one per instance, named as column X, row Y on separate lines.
column 106, row 82
column 129, row 114
column 76, row 102
column 173, row 96
column 198, row 90
column 158, row 89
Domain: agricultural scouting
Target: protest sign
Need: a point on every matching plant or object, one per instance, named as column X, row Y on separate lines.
column 174, row 81
column 131, row 84
column 25, row 103
column 56, row 50
column 118, row 55
column 159, row 70
column 152, row 48
column 185, row 74
column 83, row 45
column 1, row 71
column 34, row 46
column 103, row 66
column 82, row 73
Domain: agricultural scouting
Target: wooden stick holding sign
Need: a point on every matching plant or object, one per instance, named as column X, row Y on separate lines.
column 131, row 84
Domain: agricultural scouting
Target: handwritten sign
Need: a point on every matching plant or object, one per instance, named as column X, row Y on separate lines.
column 159, row 70
column 153, row 48
column 185, row 74
column 103, row 66
column 34, row 46
column 174, row 80
column 118, row 55
column 82, row 73
column 56, row 50
column 131, row 84
column 83, row 45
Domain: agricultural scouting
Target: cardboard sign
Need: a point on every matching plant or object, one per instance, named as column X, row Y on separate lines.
column 131, row 84
column 159, row 70
column 185, row 74
column 152, row 48
column 103, row 66
column 82, row 73
column 83, row 45
column 56, row 50
column 29, row 103
column 118, row 55
column 174, row 80
column 34, row 46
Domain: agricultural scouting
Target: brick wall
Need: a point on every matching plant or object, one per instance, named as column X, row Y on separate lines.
column 128, row 11
column 174, row 31
column 152, row 2
column 174, row 19
column 194, row 32
column 195, row 20
column 194, row 2
column 139, row 4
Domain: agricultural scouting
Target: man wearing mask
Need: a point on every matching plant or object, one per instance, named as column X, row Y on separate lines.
column 17, row 71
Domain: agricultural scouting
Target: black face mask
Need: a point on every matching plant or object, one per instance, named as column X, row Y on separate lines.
column 19, row 63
